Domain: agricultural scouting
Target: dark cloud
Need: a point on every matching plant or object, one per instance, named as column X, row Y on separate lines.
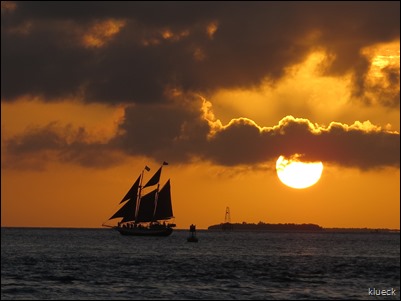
column 363, row 146
column 159, row 13
column 39, row 146
column 389, row 94
column 164, row 44
column 180, row 135
column 161, row 131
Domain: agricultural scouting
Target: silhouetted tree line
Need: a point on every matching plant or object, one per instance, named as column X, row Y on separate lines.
column 264, row 226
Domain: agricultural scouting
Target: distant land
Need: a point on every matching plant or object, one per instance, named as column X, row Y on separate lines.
column 261, row 226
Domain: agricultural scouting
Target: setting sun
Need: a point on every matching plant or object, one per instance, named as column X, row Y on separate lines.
column 297, row 174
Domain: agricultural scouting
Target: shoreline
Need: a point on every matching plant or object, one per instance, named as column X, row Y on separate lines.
column 290, row 227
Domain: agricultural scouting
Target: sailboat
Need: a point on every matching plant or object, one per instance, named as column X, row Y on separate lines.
column 148, row 214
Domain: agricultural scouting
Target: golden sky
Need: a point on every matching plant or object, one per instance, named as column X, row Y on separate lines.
column 92, row 93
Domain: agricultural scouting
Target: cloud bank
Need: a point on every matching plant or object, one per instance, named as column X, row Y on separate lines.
column 152, row 57
column 132, row 52
column 183, row 135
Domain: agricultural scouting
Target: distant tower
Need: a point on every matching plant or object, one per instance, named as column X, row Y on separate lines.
column 227, row 226
column 227, row 218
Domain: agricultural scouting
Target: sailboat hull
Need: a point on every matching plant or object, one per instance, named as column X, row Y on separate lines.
column 144, row 231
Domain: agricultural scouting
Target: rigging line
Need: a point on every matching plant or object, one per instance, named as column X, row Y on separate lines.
column 138, row 198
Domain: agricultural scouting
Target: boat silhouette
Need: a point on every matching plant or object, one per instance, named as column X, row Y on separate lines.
column 149, row 214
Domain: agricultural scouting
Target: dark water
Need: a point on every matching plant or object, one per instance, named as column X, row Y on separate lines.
column 102, row 264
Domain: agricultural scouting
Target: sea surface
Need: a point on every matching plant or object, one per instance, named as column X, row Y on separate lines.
column 100, row 264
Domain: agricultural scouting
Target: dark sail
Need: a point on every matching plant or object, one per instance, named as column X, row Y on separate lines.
column 146, row 207
column 140, row 213
column 127, row 212
column 155, row 179
column 133, row 192
column 164, row 210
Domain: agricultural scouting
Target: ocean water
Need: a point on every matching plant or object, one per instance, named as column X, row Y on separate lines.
column 99, row 264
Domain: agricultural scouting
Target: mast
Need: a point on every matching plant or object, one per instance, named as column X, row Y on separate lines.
column 147, row 204
column 138, row 199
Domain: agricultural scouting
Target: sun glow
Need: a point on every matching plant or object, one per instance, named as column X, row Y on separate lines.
column 297, row 174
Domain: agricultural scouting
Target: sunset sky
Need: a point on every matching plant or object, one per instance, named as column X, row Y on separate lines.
column 91, row 92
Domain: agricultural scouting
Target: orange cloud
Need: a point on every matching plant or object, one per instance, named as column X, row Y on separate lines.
column 212, row 28
column 102, row 32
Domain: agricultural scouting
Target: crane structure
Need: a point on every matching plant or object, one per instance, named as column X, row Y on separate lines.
column 227, row 226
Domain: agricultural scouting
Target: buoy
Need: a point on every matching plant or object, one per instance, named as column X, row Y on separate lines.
column 192, row 237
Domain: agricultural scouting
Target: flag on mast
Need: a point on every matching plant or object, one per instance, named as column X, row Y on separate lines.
column 147, row 168
column 165, row 163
